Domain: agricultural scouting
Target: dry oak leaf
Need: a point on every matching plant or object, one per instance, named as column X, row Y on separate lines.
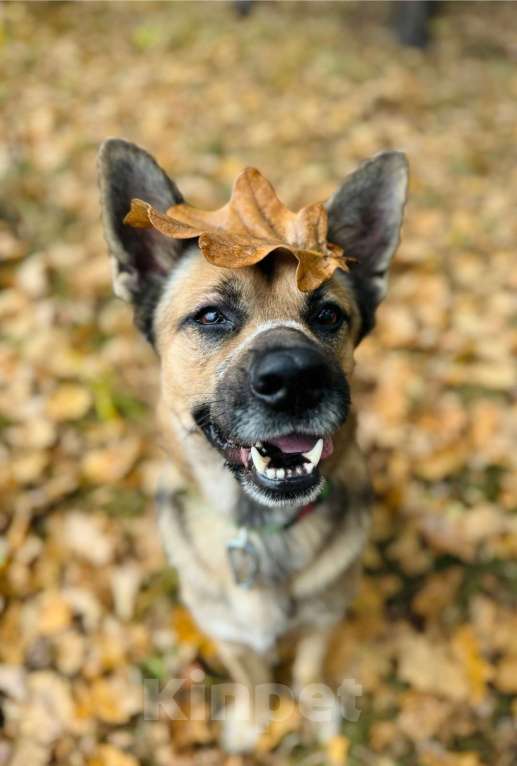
column 249, row 227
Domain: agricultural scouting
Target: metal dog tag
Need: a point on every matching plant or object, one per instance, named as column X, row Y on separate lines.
column 243, row 558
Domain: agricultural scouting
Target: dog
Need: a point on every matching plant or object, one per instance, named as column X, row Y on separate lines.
column 264, row 508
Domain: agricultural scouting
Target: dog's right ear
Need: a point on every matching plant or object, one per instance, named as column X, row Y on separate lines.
column 142, row 258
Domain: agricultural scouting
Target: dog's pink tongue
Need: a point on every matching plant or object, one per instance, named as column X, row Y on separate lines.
column 301, row 443
column 294, row 443
column 287, row 444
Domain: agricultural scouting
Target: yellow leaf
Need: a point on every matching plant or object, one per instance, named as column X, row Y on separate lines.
column 477, row 670
column 112, row 700
column 107, row 755
column 69, row 402
column 187, row 632
column 54, row 614
column 450, row 759
column 337, row 750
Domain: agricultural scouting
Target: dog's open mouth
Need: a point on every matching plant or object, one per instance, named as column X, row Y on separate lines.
column 284, row 468
column 284, row 459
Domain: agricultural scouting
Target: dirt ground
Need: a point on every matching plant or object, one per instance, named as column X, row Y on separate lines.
column 304, row 92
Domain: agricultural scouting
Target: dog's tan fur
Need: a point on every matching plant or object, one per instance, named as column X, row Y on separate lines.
column 319, row 555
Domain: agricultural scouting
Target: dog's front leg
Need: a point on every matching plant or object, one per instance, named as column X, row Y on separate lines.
column 244, row 719
column 318, row 703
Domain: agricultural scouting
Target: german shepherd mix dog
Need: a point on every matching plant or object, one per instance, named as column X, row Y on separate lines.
column 266, row 510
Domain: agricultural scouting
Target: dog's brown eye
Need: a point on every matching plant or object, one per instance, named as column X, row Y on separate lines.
column 210, row 316
column 329, row 317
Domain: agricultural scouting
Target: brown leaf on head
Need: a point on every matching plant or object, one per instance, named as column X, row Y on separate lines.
column 253, row 224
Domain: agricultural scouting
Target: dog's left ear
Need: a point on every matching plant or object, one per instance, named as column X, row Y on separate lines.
column 365, row 215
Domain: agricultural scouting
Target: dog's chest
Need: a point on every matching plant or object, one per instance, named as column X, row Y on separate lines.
column 224, row 609
column 197, row 541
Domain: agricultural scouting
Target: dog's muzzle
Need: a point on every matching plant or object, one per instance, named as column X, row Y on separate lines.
column 276, row 408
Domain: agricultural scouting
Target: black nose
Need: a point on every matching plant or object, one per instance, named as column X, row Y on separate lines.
column 290, row 379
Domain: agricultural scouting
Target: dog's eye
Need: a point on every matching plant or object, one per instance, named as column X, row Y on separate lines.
column 329, row 317
column 210, row 316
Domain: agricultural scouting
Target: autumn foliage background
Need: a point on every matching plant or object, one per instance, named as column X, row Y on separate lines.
column 303, row 92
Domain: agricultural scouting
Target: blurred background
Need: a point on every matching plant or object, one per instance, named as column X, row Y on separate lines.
column 303, row 91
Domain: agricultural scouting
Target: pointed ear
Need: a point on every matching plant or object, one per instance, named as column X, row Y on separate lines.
column 365, row 215
column 141, row 257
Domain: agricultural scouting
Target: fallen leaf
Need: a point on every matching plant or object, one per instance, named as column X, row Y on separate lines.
column 110, row 464
column 86, row 536
column 422, row 715
column 27, row 467
column 253, row 224
column 188, row 632
column 108, row 755
column 54, row 614
column 70, row 648
column 437, row 593
column 113, row 700
column 429, row 666
column 285, row 718
column 337, row 750
column 69, row 402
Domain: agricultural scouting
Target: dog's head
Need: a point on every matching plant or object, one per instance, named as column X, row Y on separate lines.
column 250, row 363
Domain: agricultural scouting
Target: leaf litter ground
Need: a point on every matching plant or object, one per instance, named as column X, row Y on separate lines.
column 88, row 606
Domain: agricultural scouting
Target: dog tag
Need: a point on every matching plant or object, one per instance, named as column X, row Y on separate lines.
column 243, row 558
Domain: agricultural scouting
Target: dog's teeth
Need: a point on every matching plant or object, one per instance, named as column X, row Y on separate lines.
column 308, row 467
column 314, row 455
column 259, row 462
column 271, row 473
column 280, row 473
column 299, row 470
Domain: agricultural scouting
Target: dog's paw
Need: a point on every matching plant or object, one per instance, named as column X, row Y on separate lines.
column 321, row 713
column 240, row 730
